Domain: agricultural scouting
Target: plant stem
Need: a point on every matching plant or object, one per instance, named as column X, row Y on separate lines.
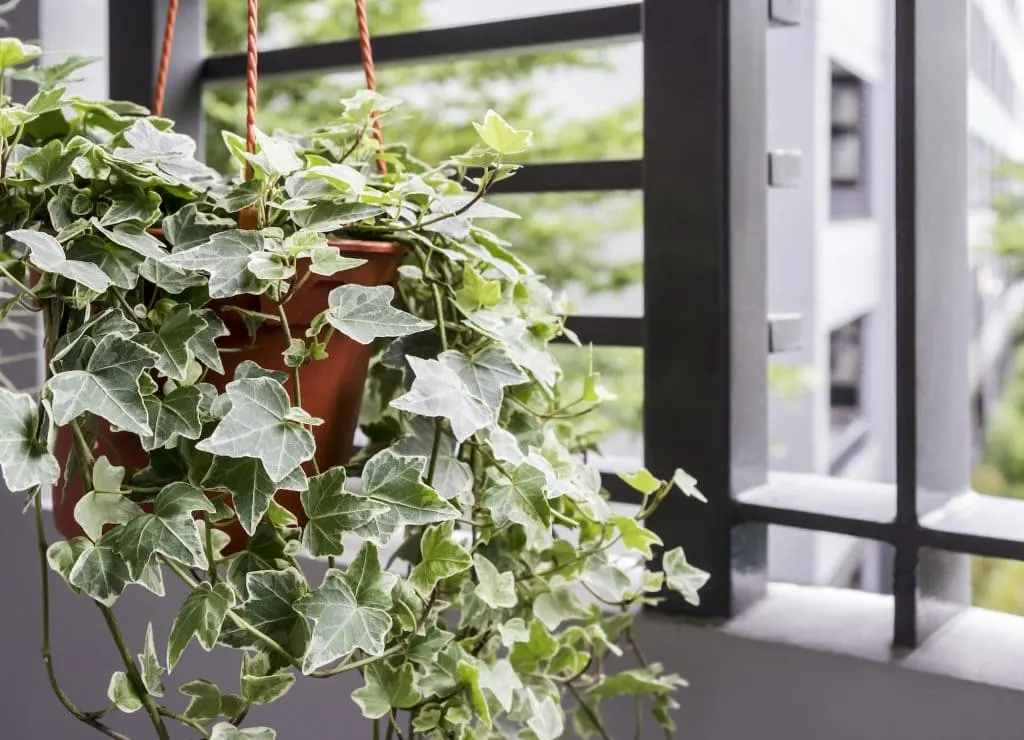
column 439, row 309
column 164, row 711
column 133, row 672
column 89, row 718
column 376, row 729
column 296, row 385
column 212, row 570
column 346, row 666
column 589, row 711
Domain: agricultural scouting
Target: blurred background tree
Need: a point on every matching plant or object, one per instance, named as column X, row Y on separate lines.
column 562, row 235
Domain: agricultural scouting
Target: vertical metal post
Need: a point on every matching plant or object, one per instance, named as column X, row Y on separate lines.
column 136, row 34
column 705, row 175
column 23, row 21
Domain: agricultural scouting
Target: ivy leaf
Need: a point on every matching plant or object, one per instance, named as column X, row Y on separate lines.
column 649, row 680
column 264, row 551
column 333, row 512
column 520, row 499
column 546, row 718
column 270, row 608
column 485, row 375
column 132, row 204
column 349, row 610
column 469, row 674
column 513, row 631
column 120, row 265
column 496, row 589
column 527, row 655
column 172, row 341
column 50, row 166
column 681, row 577
column 259, row 686
column 173, row 416
column 133, row 237
column 121, row 692
column 170, row 530
column 257, row 426
column 329, row 261
column 397, row 482
column 14, row 52
column 107, row 387
column 226, row 731
column 558, row 605
column 52, row 75
column 185, row 228
column 205, row 699
column 387, row 688
column 149, row 665
column 476, row 292
column 325, row 217
column 63, row 554
column 423, row 648
column 635, row 536
column 225, row 258
column 441, row 557
column 365, row 313
column 274, row 156
column 201, row 616
column 100, row 572
column 24, row 458
column 452, row 477
column 249, row 485
column 502, row 138
column 203, row 343
column 641, row 481
column 439, row 391
column 688, row 485
column 501, row 680
column 344, row 178
column 47, row 254
column 100, row 507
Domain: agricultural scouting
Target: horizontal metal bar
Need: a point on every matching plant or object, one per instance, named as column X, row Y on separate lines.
column 597, row 24
column 574, row 177
column 973, row 523
column 748, row 512
column 607, row 331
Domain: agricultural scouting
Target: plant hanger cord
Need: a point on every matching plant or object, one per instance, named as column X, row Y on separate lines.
column 165, row 58
column 251, row 82
column 366, row 54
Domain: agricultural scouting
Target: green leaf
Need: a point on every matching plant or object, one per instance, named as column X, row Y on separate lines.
column 187, row 228
column 100, row 571
column 635, row 536
column 649, row 680
column 526, row 656
column 205, row 699
column 24, row 458
column 203, row 343
column 249, row 485
column 120, row 265
column 47, row 254
column 496, row 589
column 333, row 513
column 107, row 387
column 501, row 680
column 172, row 341
column 170, row 279
column 270, row 608
column 386, row 688
column 170, row 530
column 149, row 665
column 274, row 156
column 513, row 631
column 54, row 74
column 50, row 166
column 452, row 477
column 225, row 258
column 264, row 551
column 266, row 689
column 257, row 426
column 441, row 557
column 365, row 313
column 63, row 554
column 641, row 481
column 558, row 605
column 688, row 485
column 608, row 581
column 681, row 577
column 501, row 137
column 172, row 417
column 439, row 391
column 520, row 499
column 326, row 217
column 423, row 648
column 201, row 616
column 330, row 261
column 476, row 292
column 226, row 731
column 134, row 237
column 349, row 610
column 14, row 52
column 485, row 375
column 121, row 692
column 469, row 674
column 546, row 718
column 397, row 482
column 341, row 176
column 132, row 204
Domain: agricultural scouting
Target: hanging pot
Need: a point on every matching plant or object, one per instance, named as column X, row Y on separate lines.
column 332, row 388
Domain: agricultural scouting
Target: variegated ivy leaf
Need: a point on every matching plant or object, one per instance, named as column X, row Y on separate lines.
column 172, row 341
column 169, row 531
column 559, row 604
column 203, row 343
column 513, row 631
column 257, row 426
column 546, row 718
column 341, row 176
column 173, row 416
column 452, row 477
column 107, row 387
column 47, row 254
column 227, row 731
column 165, row 153
column 63, row 554
column 13, row 52
column 326, row 216
column 496, row 589
column 50, row 165
column 250, row 487
column 681, row 577
column 648, row 680
column 469, row 674
column 105, row 504
column 270, row 266
column 100, row 571
column 350, row 610
column 387, row 688
column 520, row 498
column 121, row 692
column 201, row 616
column 496, row 133
column 120, row 265
column 501, row 680
column 635, row 536
column 396, row 482
column 133, row 237
column 169, row 279
column 70, row 352
column 365, row 313
column 486, row 375
column 24, row 458
column 329, row 261
column 437, row 390
column 225, row 258
column 187, row 228
column 606, row 579
column 270, row 608
column 440, row 557
column 334, row 512
column 149, row 665
column 274, row 156
column 132, row 204
column 523, row 347
column 259, row 685
column 204, row 700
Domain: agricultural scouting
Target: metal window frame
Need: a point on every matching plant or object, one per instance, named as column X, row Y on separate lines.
column 703, row 183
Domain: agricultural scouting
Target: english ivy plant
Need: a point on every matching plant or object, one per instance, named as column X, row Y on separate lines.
column 478, row 579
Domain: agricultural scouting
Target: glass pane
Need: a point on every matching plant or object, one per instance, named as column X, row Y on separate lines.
column 286, row 23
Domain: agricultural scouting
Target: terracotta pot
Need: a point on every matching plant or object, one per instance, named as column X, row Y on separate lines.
column 332, row 389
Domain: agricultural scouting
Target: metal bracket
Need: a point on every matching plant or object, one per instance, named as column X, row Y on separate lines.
column 785, row 332
column 785, row 12
column 784, row 168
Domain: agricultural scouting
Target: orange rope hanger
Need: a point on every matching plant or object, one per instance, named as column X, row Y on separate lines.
column 252, row 73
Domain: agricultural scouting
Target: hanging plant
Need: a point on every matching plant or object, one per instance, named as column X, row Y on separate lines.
column 202, row 390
